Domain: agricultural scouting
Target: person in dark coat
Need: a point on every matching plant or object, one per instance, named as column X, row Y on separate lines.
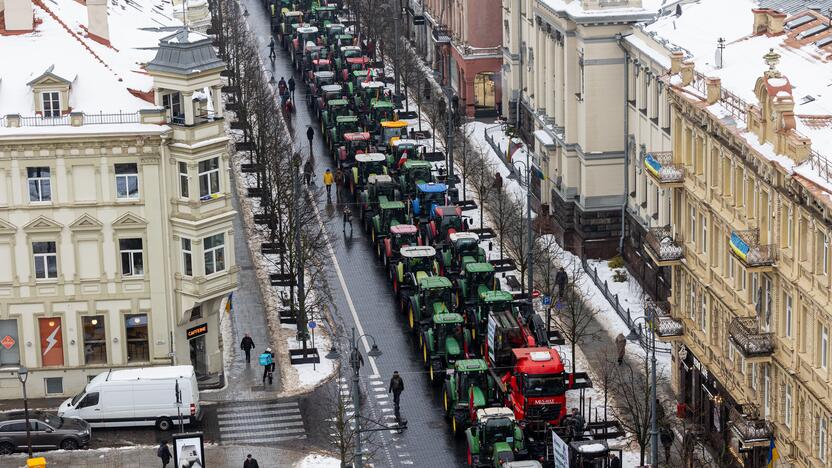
column 560, row 281
column 250, row 462
column 268, row 371
column 308, row 171
column 247, row 345
column 615, row 462
column 163, row 452
column 292, row 87
column 498, row 181
column 666, row 437
column 310, row 134
column 620, row 344
column 397, row 387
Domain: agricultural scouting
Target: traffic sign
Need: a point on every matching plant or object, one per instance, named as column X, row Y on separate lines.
column 558, row 305
column 7, row 342
column 547, row 300
column 312, row 324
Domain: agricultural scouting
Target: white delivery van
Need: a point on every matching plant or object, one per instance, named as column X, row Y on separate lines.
column 144, row 396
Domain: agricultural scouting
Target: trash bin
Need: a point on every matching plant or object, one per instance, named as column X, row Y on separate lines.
column 38, row 462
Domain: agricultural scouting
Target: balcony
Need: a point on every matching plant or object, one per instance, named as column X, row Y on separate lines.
column 441, row 35
column 661, row 168
column 745, row 245
column 663, row 248
column 753, row 344
column 749, row 428
column 666, row 327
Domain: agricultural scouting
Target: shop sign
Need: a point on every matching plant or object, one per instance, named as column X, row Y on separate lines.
column 196, row 331
column 418, row 20
column 7, row 342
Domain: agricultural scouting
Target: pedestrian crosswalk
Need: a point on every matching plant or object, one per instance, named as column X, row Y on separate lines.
column 261, row 422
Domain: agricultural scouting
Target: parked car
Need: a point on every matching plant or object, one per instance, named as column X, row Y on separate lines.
column 146, row 396
column 47, row 430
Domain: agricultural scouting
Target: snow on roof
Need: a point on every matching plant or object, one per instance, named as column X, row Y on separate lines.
column 627, row 11
column 101, row 75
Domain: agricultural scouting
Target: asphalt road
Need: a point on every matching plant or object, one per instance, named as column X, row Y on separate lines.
column 363, row 300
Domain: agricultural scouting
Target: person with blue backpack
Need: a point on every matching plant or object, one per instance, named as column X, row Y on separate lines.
column 267, row 361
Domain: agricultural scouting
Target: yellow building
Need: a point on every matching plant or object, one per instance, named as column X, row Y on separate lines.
column 116, row 240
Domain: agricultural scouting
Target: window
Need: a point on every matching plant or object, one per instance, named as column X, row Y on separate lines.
column 10, row 356
column 40, row 186
column 214, row 253
column 127, row 181
column 51, row 341
column 754, row 375
column 95, row 340
column 187, row 258
column 46, row 260
column 824, row 256
column 172, row 104
column 766, row 392
column 51, row 104
column 704, row 234
column 787, row 406
column 137, row 336
column 787, row 302
column 789, row 228
column 824, row 346
column 54, row 385
column 132, row 263
column 90, row 399
column 209, row 177
column 693, row 224
column 183, row 180
column 703, row 319
column 692, row 302
column 822, row 438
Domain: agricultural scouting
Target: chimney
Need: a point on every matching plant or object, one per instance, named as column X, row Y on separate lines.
column 687, row 73
column 776, row 22
column 768, row 21
column 713, row 87
column 676, row 61
column 18, row 15
column 97, row 25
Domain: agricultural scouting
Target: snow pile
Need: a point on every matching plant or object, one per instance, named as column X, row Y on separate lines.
column 318, row 461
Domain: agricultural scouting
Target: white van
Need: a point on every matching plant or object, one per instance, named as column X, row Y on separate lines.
column 144, row 396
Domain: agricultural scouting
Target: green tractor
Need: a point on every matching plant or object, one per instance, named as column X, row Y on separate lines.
column 379, row 189
column 434, row 295
column 285, row 29
column 444, row 341
column 366, row 164
column 323, row 16
column 355, row 79
column 496, row 439
column 354, row 144
column 390, row 213
column 463, row 248
column 470, row 387
column 367, row 91
column 415, row 263
column 333, row 30
column 401, row 235
column 381, row 110
column 322, row 96
column 333, row 109
column 401, row 147
column 475, row 280
column 343, row 124
column 412, row 173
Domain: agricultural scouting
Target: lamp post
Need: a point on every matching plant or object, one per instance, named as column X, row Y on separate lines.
column 356, row 361
column 22, row 375
column 530, row 250
column 651, row 343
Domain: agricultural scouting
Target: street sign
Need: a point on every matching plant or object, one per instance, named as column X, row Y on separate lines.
column 418, row 20
column 547, row 300
column 196, row 331
column 560, row 452
column 312, row 324
column 7, row 342
column 558, row 305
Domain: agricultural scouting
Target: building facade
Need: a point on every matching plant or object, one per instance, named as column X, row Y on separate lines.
column 462, row 41
column 116, row 232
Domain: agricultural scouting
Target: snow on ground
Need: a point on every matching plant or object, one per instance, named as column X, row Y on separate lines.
column 318, row 461
column 310, row 375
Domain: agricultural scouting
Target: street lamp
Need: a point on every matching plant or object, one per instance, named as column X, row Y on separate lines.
column 22, row 375
column 530, row 251
column 356, row 361
column 651, row 344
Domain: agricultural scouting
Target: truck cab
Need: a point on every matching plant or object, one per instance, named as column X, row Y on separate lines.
column 537, row 386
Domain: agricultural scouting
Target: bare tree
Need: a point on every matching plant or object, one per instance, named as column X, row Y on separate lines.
column 503, row 213
column 481, row 181
column 548, row 258
column 575, row 317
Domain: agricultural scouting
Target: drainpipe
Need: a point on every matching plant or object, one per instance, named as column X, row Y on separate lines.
column 620, row 38
column 520, row 68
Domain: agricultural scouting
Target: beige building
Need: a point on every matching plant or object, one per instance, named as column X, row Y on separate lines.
column 116, row 242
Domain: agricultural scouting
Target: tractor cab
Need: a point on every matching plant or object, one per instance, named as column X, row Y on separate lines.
column 355, row 143
column 343, row 53
column 287, row 20
column 417, row 262
column 319, row 65
column 399, row 147
column 333, row 30
column 304, row 39
column 444, row 341
column 333, row 109
column 428, row 196
column 475, row 280
column 447, row 220
column 324, row 15
column 380, row 110
column 412, row 173
column 495, row 439
column 468, row 388
column 344, row 124
column 392, row 131
column 401, row 236
column 433, row 296
column 537, row 386
column 390, row 213
column 379, row 189
column 367, row 91
column 367, row 164
column 463, row 248
column 325, row 94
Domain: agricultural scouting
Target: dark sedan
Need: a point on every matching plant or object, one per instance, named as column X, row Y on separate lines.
column 47, row 431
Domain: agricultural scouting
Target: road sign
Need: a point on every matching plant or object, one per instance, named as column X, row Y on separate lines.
column 560, row 452
column 547, row 300
column 558, row 305
column 7, row 342
column 312, row 324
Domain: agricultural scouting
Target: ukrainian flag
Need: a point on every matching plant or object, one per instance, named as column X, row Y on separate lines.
column 773, row 455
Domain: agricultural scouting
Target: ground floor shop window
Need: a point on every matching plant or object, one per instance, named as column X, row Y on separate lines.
column 485, row 92
column 95, row 340
column 9, row 343
column 138, row 349
column 51, row 341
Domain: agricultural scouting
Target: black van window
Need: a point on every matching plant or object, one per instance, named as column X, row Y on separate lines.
column 90, row 400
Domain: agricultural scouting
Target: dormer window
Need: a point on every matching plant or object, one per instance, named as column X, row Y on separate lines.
column 173, row 106
column 51, row 104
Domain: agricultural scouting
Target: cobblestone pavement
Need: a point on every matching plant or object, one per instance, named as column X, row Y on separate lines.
column 427, row 441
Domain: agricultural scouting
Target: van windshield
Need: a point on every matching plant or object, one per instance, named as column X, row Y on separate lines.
column 77, row 398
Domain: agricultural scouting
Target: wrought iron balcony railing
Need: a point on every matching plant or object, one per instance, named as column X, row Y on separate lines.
column 662, row 168
column 746, row 335
column 664, row 246
column 745, row 245
column 746, row 423
column 661, row 321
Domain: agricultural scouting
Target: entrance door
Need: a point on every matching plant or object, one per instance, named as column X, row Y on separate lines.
column 484, row 91
column 198, row 355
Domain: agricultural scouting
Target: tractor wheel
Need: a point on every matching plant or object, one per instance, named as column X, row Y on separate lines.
column 454, row 427
column 378, row 248
column 410, row 317
column 445, row 402
column 470, row 458
column 395, row 284
column 373, row 237
column 430, row 373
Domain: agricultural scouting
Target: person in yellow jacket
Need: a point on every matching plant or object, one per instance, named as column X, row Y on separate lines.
column 328, row 179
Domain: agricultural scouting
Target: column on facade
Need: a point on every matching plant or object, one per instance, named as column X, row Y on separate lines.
column 216, row 96
column 538, row 65
column 549, row 81
column 651, row 201
column 188, row 104
column 560, row 82
column 665, row 196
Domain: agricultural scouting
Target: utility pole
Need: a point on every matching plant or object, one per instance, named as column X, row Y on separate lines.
column 654, row 430
column 355, row 361
column 301, row 317
column 398, row 18
column 530, row 259
column 520, row 69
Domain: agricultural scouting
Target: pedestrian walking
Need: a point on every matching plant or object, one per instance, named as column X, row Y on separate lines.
column 281, row 86
column 660, row 414
column 163, row 452
column 252, row 462
column 309, row 135
column 498, row 181
column 247, row 345
column 339, row 182
column 397, row 387
column 328, row 180
column 666, row 436
column 347, row 220
column 267, row 361
column 620, row 344
column 560, row 281
column 272, row 55
column 308, row 171
column 292, row 87
column 615, row 462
